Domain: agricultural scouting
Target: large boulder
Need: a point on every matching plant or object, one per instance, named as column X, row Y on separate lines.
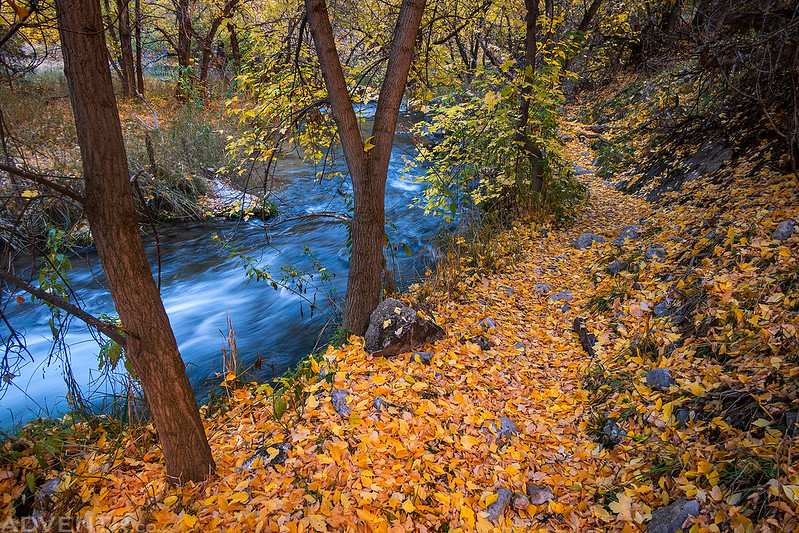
column 396, row 328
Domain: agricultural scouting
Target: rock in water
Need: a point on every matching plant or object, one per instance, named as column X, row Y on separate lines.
column 587, row 239
column 671, row 518
column 497, row 509
column 396, row 328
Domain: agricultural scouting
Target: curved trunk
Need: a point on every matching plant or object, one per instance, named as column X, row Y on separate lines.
column 150, row 344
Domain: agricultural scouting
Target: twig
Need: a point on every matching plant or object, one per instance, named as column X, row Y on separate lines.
column 41, row 180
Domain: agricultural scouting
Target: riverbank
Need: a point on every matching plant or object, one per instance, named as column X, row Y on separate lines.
column 641, row 359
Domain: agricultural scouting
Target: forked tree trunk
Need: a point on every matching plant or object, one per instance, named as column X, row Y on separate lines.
column 368, row 168
column 108, row 203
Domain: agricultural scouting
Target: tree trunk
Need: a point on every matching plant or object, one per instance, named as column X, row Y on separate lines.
column 529, row 149
column 139, row 71
column 150, row 344
column 234, row 45
column 126, row 50
column 368, row 167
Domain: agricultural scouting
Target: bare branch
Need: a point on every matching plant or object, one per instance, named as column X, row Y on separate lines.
column 108, row 330
column 41, row 180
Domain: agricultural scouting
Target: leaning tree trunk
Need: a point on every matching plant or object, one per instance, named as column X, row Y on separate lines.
column 368, row 166
column 150, row 344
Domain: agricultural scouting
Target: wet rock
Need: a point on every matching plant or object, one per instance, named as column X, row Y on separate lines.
column 506, row 429
column 655, row 252
column 671, row 518
column 338, row 398
column 520, row 501
column 560, row 296
column 565, row 137
column 538, row 495
column 422, row 357
column 784, row 230
column 396, row 328
column 581, row 170
column 659, row 378
column 628, row 232
column 543, row 288
column 488, row 323
column 497, row 509
column 270, row 455
column 616, row 267
column 586, row 239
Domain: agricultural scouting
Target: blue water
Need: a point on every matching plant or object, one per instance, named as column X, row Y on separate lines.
column 202, row 286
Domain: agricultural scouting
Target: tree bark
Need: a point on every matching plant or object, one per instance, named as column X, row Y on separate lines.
column 234, row 44
column 139, row 71
column 529, row 149
column 368, row 167
column 108, row 204
column 208, row 40
column 126, row 50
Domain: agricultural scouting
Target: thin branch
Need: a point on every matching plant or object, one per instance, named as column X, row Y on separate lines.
column 108, row 330
column 41, row 180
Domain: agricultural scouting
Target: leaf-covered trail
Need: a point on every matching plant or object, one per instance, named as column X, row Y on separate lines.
column 431, row 460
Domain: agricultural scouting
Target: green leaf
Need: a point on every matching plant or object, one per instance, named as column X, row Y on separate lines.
column 406, row 249
column 280, row 407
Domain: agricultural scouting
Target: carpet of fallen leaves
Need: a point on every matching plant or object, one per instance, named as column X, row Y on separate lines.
column 431, row 461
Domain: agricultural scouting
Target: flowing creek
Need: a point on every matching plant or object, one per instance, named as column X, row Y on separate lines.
column 202, row 286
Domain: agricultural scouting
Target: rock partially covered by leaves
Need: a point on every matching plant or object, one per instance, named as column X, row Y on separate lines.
column 538, row 495
column 497, row 509
column 784, row 230
column 270, row 455
column 671, row 518
column 586, row 239
column 628, row 232
column 506, row 428
column 396, row 328
column 338, row 398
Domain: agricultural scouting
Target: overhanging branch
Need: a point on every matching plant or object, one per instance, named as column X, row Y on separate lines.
column 41, row 180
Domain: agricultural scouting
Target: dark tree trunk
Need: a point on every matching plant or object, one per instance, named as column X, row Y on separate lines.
column 582, row 29
column 183, row 8
column 208, row 40
column 139, row 71
column 234, row 44
column 368, row 168
column 150, row 344
column 126, row 50
column 530, row 150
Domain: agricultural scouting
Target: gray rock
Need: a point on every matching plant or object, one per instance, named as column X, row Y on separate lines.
column 655, row 252
column 560, row 296
column 380, row 404
column 497, row 509
column 684, row 417
column 671, row 518
column 565, row 137
column 44, row 506
column 488, row 323
column 396, row 328
column 520, row 501
column 521, row 347
column 270, row 455
column 538, row 495
column 422, row 357
column 543, row 288
column 663, row 308
column 784, row 230
column 585, row 153
column 613, row 432
column 581, row 171
column 586, row 239
column 628, row 232
column 616, row 267
column 565, row 308
column 659, row 378
column 506, row 429
column 338, row 398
